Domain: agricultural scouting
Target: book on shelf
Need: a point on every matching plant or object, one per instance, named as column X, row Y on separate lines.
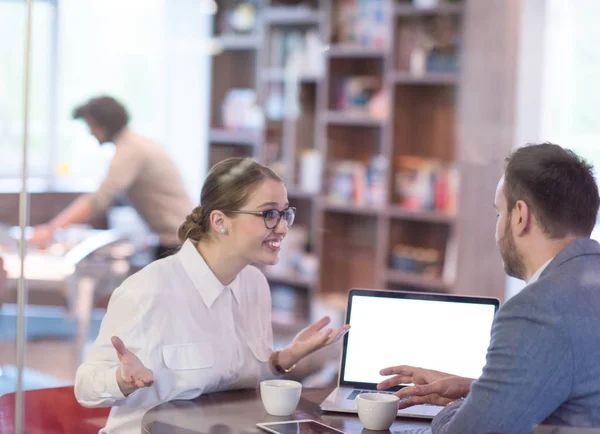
column 418, row 261
column 423, row 184
column 361, row 95
column 357, row 183
column 363, row 22
column 298, row 53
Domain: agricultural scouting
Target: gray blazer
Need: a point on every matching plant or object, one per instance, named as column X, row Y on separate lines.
column 543, row 362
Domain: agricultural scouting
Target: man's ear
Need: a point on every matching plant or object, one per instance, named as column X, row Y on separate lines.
column 521, row 218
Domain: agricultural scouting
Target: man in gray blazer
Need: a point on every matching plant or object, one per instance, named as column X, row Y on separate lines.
column 543, row 362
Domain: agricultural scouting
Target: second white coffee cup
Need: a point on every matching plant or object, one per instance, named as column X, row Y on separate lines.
column 280, row 397
column 377, row 411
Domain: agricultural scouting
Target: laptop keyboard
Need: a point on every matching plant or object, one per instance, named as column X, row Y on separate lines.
column 414, row 431
column 357, row 392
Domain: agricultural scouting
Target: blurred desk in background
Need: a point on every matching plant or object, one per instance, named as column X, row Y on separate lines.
column 81, row 266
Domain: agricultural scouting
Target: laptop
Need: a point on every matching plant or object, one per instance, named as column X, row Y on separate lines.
column 448, row 333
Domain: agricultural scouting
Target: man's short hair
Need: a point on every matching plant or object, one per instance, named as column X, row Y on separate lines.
column 557, row 185
column 105, row 111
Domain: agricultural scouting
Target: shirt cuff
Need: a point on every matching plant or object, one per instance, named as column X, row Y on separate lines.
column 112, row 386
column 266, row 371
column 444, row 417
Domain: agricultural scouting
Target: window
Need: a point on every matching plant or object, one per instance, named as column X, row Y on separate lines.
column 12, row 49
column 571, row 94
column 109, row 47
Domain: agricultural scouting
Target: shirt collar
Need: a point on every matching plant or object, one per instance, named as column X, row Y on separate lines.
column 539, row 272
column 203, row 278
column 235, row 289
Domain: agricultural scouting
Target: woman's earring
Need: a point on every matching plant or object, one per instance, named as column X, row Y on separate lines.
column 223, row 230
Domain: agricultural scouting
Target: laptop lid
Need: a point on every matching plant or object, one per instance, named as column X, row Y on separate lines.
column 448, row 333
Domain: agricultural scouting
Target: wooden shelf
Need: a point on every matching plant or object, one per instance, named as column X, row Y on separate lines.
column 297, row 193
column 238, row 42
column 392, row 211
column 409, row 10
column 278, row 74
column 292, row 16
column 431, row 78
column 416, row 280
column 352, row 119
column 233, row 137
column 292, row 279
column 399, row 212
column 354, row 51
column 349, row 208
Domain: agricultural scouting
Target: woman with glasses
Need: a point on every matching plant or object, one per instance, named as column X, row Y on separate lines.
column 200, row 321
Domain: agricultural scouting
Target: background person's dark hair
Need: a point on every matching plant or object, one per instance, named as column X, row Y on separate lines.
column 557, row 185
column 106, row 111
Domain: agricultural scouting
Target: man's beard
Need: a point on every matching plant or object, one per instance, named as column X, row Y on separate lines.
column 513, row 261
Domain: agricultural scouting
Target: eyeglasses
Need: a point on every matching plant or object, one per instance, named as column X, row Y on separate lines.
column 272, row 217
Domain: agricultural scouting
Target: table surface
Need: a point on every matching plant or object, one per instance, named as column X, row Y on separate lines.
column 236, row 412
column 57, row 263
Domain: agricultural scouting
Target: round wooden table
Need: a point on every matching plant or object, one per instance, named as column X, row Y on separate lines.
column 237, row 412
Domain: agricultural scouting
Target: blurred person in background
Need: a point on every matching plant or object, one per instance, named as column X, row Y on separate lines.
column 141, row 169
column 543, row 362
column 199, row 321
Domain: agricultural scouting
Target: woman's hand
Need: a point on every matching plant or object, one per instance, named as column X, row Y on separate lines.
column 132, row 374
column 309, row 340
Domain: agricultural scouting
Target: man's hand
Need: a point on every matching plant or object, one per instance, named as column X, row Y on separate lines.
column 132, row 374
column 42, row 236
column 430, row 387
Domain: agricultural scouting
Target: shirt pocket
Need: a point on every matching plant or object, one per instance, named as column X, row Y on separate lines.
column 260, row 348
column 188, row 356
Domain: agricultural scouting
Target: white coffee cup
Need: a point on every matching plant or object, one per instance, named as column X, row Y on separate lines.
column 377, row 411
column 280, row 397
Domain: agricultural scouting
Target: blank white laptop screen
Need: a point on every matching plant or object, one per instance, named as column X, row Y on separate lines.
column 447, row 336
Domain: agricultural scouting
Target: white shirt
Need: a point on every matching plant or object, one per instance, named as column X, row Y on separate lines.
column 539, row 272
column 196, row 335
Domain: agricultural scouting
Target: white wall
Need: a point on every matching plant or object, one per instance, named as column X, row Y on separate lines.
column 187, row 62
column 151, row 55
column 530, row 80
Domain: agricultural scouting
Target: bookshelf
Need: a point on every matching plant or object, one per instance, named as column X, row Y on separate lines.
column 355, row 241
column 420, row 283
column 433, row 78
column 343, row 51
column 351, row 119
column 235, row 42
column 279, row 75
column 407, row 9
column 234, row 137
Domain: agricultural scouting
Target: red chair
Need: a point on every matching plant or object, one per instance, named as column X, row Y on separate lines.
column 51, row 411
